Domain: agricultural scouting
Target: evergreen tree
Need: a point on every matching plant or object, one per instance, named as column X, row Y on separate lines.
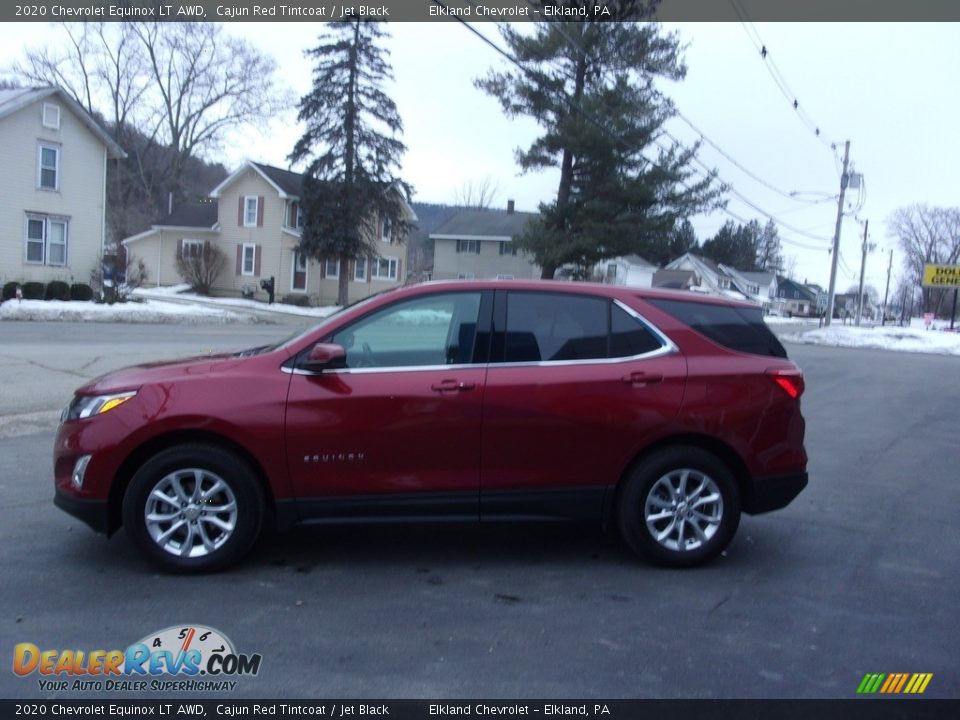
column 734, row 245
column 590, row 85
column 679, row 241
column 351, row 183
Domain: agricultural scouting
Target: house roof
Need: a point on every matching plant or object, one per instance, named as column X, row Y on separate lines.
column 637, row 260
column 762, row 279
column 485, row 224
column 288, row 181
column 677, row 279
column 201, row 214
column 16, row 99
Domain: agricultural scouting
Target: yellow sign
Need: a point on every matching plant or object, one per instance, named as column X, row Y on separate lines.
column 941, row 276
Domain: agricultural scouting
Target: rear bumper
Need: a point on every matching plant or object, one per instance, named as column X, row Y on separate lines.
column 772, row 493
column 93, row 512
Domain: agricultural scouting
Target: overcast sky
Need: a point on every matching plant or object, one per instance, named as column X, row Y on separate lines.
column 888, row 88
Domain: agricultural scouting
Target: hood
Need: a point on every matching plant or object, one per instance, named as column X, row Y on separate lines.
column 134, row 377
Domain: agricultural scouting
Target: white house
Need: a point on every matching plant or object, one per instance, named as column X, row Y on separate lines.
column 629, row 270
column 53, row 196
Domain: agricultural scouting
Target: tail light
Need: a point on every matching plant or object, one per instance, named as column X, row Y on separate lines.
column 790, row 381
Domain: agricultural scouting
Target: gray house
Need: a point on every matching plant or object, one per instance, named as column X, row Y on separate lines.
column 476, row 243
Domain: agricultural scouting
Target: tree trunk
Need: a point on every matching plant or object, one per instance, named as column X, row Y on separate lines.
column 549, row 270
column 343, row 283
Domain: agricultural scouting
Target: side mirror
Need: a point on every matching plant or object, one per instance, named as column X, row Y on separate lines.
column 325, row 356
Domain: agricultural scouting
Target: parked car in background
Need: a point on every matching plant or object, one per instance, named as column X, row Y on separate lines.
column 661, row 414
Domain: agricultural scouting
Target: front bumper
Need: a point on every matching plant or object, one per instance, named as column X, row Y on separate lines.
column 94, row 513
column 772, row 493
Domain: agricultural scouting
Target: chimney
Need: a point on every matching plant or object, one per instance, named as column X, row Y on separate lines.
column 509, row 207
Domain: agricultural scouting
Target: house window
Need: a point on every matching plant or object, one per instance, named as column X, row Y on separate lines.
column 384, row 268
column 48, row 166
column 332, row 268
column 249, row 258
column 468, row 246
column 508, row 248
column 466, row 276
column 51, row 116
column 504, row 277
column 250, row 210
column 723, row 283
column 192, row 249
column 360, row 271
column 386, row 230
column 46, row 240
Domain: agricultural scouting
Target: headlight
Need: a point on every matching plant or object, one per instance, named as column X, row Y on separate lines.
column 84, row 406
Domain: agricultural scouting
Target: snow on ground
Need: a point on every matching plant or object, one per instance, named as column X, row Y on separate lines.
column 891, row 337
column 181, row 293
column 778, row 320
column 151, row 311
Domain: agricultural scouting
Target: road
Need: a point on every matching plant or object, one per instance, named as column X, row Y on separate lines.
column 860, row 574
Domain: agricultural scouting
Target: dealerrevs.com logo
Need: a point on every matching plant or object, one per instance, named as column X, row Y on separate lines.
column 178, row 658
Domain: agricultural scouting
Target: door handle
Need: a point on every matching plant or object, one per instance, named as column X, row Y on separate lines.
column 452, row 386
column 642, row 378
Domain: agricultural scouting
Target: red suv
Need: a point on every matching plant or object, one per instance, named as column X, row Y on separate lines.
column 663, row 414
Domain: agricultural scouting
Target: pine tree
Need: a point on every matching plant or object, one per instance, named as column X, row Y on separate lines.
column 734, row 245
column 351, row 140
column 590, row 85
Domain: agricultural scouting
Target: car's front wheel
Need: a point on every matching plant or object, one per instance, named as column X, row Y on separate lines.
column 679, row 506
column 193, row 508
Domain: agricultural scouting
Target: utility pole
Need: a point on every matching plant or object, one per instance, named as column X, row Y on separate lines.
column 844, row 179
column 886, row 292
column 863, row 269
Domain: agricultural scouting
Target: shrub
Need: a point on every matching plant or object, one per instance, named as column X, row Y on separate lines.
column 33, row 291
column 81, row 292
column 298, row 300
column 57, row 290
column 10, row 290
column 202, row 269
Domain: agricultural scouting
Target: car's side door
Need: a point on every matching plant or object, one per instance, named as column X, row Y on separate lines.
column 574, row 384
column 396, row 431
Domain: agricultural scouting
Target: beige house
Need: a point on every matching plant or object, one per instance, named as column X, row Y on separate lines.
column 53, row 195
column 254, row 217
column 480, row 244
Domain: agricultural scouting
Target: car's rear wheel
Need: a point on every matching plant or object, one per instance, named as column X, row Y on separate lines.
column 679, row 506
column 193, row 508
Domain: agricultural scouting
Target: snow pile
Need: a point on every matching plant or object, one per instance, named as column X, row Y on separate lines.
column 903, row 339
column 133, row 312
column 181, row 293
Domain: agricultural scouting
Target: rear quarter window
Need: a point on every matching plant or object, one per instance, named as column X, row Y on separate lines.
column 736, row 328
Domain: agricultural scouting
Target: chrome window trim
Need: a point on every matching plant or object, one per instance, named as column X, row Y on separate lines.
column 668, row 347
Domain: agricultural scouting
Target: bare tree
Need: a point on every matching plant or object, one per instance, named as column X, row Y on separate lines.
column 479, row 194
column 927, row 235
column 790, row 266
column 168, row 93
column 202, row 269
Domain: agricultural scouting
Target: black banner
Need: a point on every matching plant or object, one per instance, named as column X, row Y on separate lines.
column 470, row 10
column 854, row 709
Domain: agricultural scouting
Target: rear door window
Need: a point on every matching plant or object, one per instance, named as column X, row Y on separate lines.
column 736, row 328
column 549, row 327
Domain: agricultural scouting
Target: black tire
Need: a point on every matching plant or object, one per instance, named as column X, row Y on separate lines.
column 215, row 527
column 646, row 494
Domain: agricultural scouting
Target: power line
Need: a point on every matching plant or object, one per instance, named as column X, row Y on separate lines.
column 574, row 106
column 779, row 80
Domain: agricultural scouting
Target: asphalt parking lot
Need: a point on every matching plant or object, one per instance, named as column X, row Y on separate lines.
column 860, row 574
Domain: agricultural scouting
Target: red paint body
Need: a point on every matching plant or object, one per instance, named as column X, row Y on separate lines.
column 473, row 431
